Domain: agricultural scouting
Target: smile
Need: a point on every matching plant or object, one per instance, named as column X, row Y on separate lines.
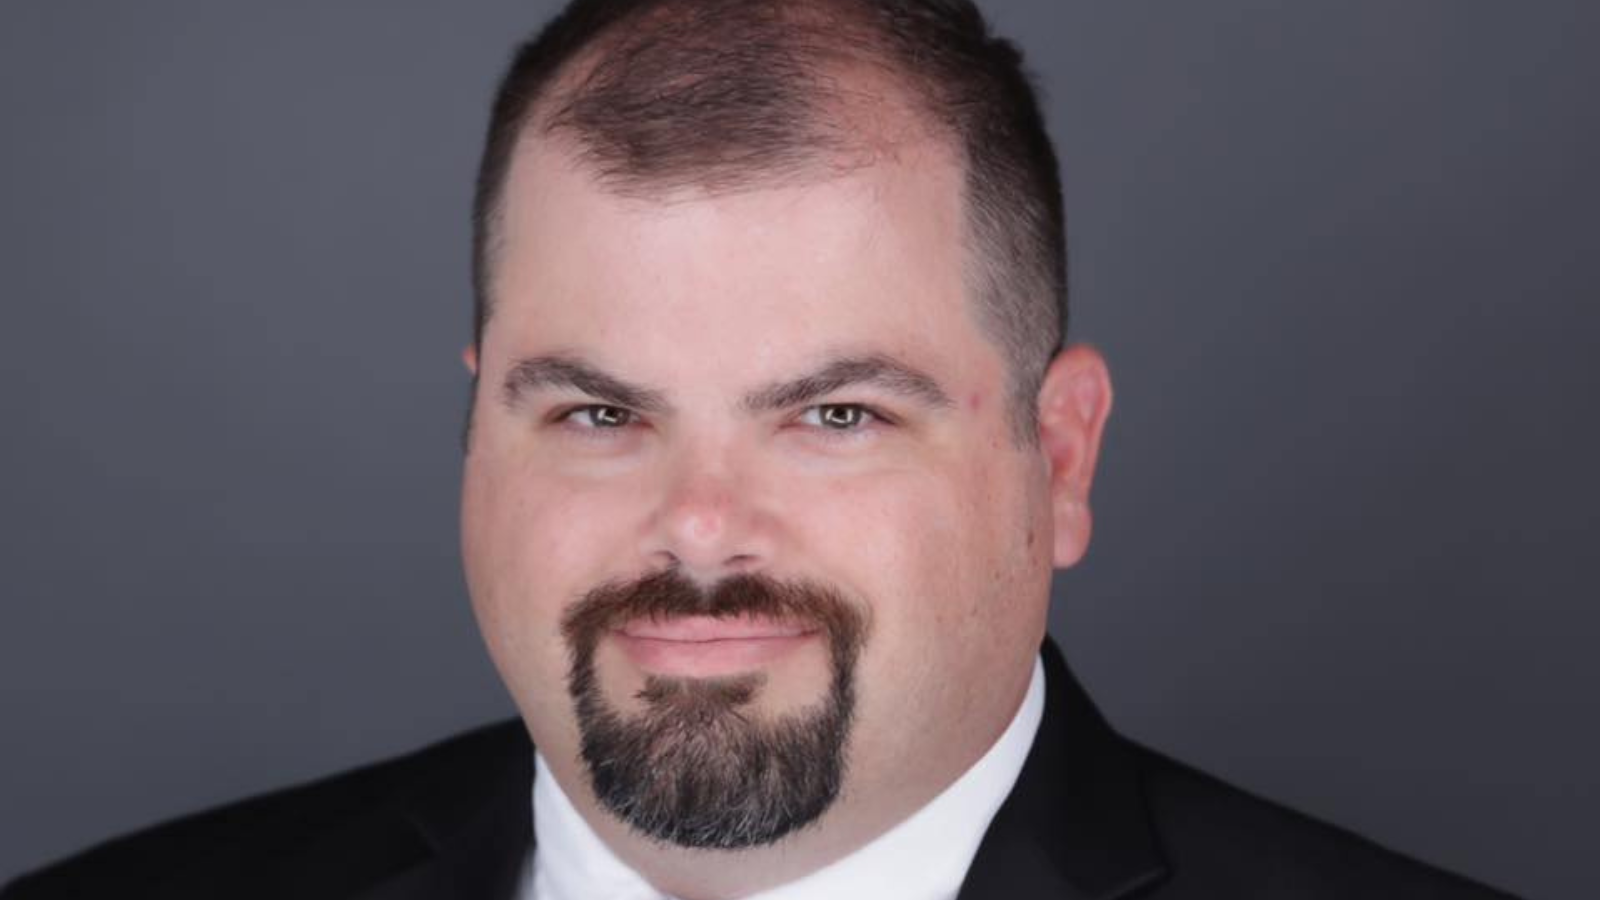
column 708, row 647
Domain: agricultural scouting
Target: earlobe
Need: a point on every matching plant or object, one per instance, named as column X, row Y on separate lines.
column 469, row 357
column 1074, row 403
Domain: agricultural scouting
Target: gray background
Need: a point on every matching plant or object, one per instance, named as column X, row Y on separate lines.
column 1342, row 256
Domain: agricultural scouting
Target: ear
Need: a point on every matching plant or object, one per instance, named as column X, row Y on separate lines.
column 1074, row 402
column 469, row 357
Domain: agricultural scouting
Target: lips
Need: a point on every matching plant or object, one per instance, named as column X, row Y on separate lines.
column 701, row 629
column 705, row 646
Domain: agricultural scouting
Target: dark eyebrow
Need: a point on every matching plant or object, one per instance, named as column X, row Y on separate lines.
column 538, row 372
column 875, row 370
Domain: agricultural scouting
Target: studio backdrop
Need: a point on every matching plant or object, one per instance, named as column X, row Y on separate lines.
column 1343, row 259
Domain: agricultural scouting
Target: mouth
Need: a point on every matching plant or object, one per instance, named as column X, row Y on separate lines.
column 710, row 647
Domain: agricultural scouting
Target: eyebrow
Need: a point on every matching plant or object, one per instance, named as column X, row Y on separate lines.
column 871, row 370
column 538, row 372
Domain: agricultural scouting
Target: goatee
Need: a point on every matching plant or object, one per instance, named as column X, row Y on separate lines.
column 695, row 767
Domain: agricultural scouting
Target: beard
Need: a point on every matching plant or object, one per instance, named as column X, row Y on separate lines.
column 695, row 767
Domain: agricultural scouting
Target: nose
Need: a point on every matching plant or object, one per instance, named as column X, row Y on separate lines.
column 708, row 523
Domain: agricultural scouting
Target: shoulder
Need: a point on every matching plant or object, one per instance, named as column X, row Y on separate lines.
column 1220, row 840
column 358, row 817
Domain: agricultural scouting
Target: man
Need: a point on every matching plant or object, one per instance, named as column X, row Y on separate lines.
column 775, row 444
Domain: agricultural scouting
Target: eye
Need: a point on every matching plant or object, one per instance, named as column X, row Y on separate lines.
column 597, row 417
column 843, row 417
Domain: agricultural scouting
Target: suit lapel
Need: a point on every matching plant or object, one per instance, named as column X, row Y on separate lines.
column 1075, row 826
column 477, row 818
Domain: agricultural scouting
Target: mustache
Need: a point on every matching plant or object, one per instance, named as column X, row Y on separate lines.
column 669, row 594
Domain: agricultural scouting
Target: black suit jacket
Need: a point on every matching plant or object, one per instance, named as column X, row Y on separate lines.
column 1092, row 816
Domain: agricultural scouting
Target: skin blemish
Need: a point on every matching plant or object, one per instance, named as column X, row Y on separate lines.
column 974, row 402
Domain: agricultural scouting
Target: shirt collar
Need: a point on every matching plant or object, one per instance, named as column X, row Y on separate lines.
column 924, row 857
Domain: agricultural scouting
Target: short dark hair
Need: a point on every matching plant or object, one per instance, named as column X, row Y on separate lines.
column 724, row 95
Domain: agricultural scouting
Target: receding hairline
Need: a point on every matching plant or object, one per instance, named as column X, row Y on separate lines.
column 834, row 40
column 892, row 130
column 865, row 106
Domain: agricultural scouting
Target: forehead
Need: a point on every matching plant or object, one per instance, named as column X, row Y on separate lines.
column 862, row 254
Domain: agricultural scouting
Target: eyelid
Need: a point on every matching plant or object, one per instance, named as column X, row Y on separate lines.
column 877, row 418
column 564, row 417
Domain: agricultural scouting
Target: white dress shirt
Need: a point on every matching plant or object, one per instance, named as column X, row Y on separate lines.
column 924, row 857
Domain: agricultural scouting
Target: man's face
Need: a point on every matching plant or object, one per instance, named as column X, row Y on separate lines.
column 786, row 384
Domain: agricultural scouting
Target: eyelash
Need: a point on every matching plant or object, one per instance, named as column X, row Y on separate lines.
column 870, row 417
column 566, row 416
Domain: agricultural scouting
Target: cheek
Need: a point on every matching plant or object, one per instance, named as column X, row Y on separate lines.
column 946, row 565
column 531, row 545
column 905, row 541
